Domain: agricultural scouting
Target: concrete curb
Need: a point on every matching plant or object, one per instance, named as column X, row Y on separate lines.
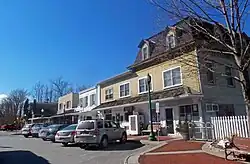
column 133, row 158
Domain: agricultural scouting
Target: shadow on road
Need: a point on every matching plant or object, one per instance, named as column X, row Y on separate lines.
column 119, row 147
column 21, row 157
column 5, row 147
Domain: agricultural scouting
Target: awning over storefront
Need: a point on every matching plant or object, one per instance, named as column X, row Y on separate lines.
column 169, row 94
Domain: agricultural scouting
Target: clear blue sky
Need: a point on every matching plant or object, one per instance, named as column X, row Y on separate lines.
column 83, row 41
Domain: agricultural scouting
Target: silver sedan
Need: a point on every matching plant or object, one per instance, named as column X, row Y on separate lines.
column 66, row 135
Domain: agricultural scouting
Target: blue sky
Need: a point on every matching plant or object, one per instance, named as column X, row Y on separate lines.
column 83, row 41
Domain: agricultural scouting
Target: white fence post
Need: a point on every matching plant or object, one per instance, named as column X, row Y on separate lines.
column 227, row 126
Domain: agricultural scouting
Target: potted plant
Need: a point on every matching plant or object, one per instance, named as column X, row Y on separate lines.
column 183, row 129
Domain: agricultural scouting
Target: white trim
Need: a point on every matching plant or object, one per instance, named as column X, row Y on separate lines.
column 138, row 84
column 157, row 100
column 171, row 77
column 87, row 90
column 128, row 82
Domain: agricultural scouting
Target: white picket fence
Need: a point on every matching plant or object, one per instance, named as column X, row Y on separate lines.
column 224, row 127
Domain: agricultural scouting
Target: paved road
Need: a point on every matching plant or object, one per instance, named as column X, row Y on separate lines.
column 16, row 149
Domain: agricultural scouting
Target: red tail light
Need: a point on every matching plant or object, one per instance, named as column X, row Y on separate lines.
column 73, row 133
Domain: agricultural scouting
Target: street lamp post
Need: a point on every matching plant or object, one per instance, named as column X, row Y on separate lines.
column 64, row 119
column 151, row 135
column 42, row 110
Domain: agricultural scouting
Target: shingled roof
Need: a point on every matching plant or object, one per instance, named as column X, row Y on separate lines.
column 175, row 92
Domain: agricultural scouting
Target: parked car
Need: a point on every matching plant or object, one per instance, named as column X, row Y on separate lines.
column 99, row 132
column 37, row 127
column 4, row 127
column 50, row 132
column 42, row 133
column 26, row 130
column 66, row 135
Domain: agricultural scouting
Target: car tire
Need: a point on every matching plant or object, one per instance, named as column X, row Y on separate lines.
column 44, row 139
column 123, row 139
column 104, row 142
column 65, row 144
column 26, row 136
column 53, row 141
column 82, row 146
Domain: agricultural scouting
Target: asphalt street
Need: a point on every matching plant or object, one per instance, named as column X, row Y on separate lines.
column 15, row 149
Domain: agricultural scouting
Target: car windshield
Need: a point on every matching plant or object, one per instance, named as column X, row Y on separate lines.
column 71, row 127
column 54, row 126
column 86, row 125
column 46, row 125
column 37, row 125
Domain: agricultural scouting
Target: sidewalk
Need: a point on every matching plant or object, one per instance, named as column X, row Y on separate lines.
column 181, row 152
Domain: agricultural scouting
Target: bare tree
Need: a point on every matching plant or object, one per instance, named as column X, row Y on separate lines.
column 51, row 97
column 17, row 98
column 38, row 91
column 220, row 23
column 80, row 88
column 60, row 87
column 46, row 93
column 7, row 110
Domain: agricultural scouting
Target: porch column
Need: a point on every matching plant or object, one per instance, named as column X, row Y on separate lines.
column 176, row 116
column 202, row 125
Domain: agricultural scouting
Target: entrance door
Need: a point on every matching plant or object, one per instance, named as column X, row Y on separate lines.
column 169, row 120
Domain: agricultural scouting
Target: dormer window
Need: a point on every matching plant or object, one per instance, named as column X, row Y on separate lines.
column 170, row 41
column 145, row 53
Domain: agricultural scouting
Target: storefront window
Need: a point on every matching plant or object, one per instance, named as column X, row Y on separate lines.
column 127, row 112
column 108, row 114
column 189, row 112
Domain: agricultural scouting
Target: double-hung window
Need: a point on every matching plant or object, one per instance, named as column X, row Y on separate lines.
column 171, row 41
column 145, row 53
column 210, row 73
column 109, row 94
column 124, row 90
column 212, row 107
column 86, row 101
column 92, row 99
column 143, row 85
column 172, row 77
column 228, row 72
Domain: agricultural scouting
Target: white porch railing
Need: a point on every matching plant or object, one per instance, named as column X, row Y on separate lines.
column 227, row 126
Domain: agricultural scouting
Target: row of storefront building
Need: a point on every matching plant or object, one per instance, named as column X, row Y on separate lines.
column 183, row 80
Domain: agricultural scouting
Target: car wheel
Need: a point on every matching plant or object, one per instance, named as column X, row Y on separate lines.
column 82, row 146
column 104, row 142
column 44, row 139
column 65, row 144
column 123, row 138
column 53, row 141
column 26, row 136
